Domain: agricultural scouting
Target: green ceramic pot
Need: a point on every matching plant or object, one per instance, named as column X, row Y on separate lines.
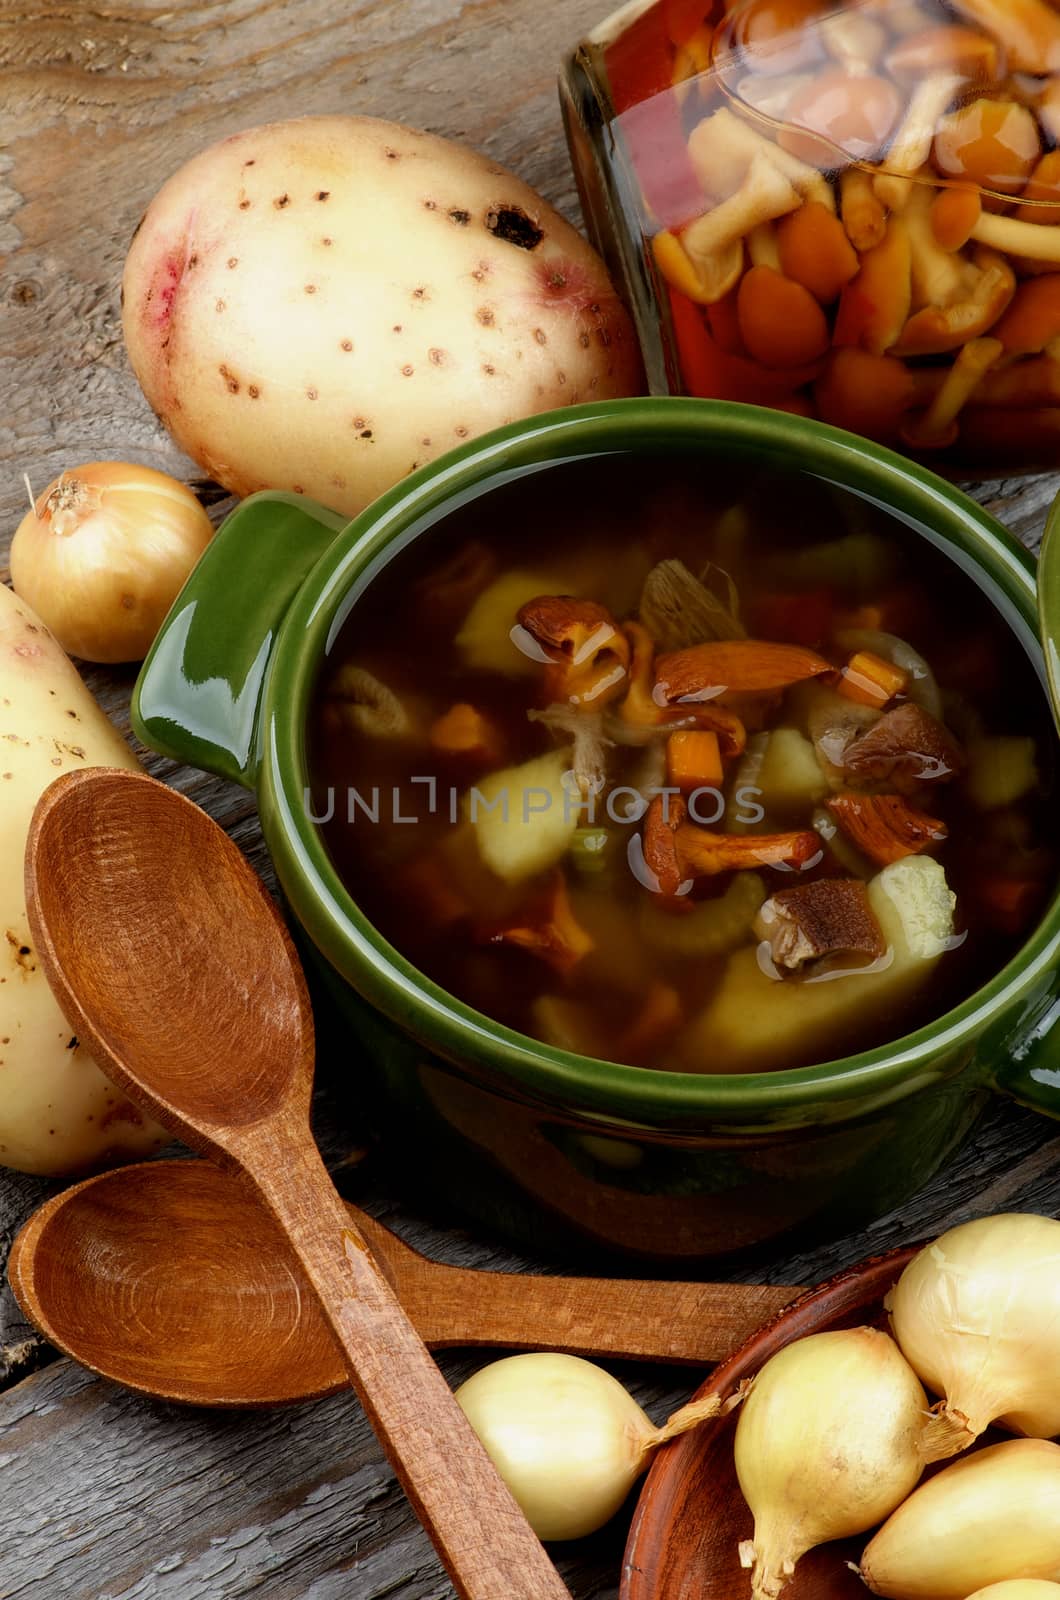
column 555, row 1149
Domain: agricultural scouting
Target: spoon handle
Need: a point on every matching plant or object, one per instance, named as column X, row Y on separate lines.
column 624, row 1319
column 483, row 1539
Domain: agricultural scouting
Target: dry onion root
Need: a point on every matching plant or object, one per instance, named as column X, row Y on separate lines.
column 104, row 553
column 826, row 1446
column 568, row 1440
column 992, row 1517
column 977, row 1316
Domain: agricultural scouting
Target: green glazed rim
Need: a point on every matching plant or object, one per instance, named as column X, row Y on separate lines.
column 458, row 1032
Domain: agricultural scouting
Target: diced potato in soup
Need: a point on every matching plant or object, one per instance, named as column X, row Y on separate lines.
column 58, row 1113
column 525, row 817
column 791, row 776
column 753, row 1022
column 485, row 639
column 1000, row 771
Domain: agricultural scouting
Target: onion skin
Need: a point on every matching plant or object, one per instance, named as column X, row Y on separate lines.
column 565, row 1436
column 977, row 1316
column 1019, row 1589
column 991, row 1517
column 103, row 555
column 826, row 1446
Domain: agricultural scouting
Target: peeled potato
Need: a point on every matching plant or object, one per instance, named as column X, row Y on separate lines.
column 326, row 304
column 752, row 1023
column 524, row 818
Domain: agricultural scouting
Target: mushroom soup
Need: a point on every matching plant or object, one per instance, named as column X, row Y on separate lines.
column 665, row 767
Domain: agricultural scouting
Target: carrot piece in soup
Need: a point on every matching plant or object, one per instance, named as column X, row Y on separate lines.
column 869, row 680
column 1011, row 904
column 660, row 1015
column 465, row 731
column 693, row 760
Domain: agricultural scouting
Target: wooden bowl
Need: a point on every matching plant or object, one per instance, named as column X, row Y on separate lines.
column 691, row 1515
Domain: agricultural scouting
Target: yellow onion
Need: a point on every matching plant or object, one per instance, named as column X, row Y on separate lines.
column 826, row 1446
column 977, row 1315
column 104, row 553
column 1019, row 1589
column 568, row 1440
column 991, row 1517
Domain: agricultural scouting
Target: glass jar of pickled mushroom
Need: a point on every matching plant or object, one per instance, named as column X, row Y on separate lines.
column 851, row 212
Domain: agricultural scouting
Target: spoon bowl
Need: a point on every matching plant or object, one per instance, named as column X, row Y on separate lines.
column 132, row 886
column 169, row 1279
column 167, row 954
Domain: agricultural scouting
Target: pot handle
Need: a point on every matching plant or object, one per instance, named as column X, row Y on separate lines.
column 1030, row 1074
column 198, row 695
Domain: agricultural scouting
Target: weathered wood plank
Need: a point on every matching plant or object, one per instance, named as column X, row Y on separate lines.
column 117, row 1497
column 101, row 1494
column 100, row 104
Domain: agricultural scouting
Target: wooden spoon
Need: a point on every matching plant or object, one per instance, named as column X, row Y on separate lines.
column 175, row 967
column 170, row 1279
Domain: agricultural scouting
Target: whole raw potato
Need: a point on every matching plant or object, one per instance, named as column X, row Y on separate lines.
column 58, row 1113
column 326, row 304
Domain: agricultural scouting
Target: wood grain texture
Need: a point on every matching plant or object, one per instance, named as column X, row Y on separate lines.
column 686, row 1543
column 113, row 1495
column 679, row 1323
column 175, row 967
column 101, row 103
column 102, row 1493
column 109, row 1267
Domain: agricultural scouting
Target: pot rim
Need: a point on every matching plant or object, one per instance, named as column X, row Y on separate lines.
column 381, row 975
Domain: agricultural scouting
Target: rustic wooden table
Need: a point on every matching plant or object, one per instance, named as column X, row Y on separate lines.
column 103, row 1494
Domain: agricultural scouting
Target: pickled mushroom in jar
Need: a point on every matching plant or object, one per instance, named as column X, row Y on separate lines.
column 873, row 205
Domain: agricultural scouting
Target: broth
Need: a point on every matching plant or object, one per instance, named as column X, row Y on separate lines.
column 854, row 836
